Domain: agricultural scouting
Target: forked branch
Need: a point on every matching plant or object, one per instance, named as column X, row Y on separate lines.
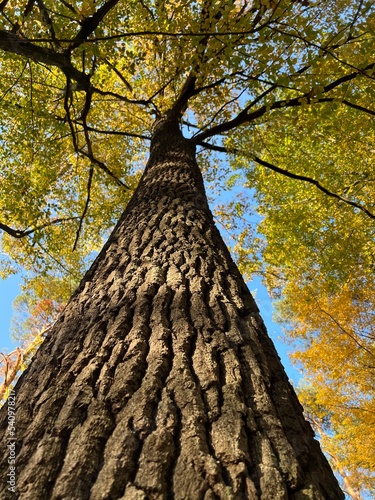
column 311, row 97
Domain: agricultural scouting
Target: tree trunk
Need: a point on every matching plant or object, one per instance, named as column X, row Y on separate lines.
column 159, row 380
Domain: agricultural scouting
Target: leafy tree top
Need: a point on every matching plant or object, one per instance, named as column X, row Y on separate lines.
column 82, row 82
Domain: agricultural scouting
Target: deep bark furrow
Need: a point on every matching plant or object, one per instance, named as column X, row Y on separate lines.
column 74, row 411
column 159, row 443
column 170, row 469
column 85, row 453
column 200, row 369
column 209, row 326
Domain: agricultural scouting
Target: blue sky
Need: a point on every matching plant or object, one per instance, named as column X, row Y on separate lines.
column 264, row 303
column 9, row 289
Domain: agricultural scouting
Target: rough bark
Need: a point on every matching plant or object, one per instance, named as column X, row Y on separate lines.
column 159, row 380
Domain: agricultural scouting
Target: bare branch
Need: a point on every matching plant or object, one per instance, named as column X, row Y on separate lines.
column 15, row 82
column 103, row 167
column 149, row 33
column 32, row 102
column 3, row 4
column 350, row 335
column 16, row 233
column 358, row 107
column 69, row 7
column 119, row 74
column 72, row 125
column 187, row 91
column 64, row 268
column 325, row 49
column 314, row 182
column 116, row 132
column 119, row 96
column 67, row 104
column 217, row 113
column 29, row 7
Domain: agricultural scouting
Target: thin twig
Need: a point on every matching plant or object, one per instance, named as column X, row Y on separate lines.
column 118, row 132
column 15, row 82
column 120, row 75
column 345, row 331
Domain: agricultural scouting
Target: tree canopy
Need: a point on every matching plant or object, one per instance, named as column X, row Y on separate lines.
column 282, row 91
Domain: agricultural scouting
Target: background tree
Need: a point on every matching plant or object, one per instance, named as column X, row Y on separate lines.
column 34, row 317
column 82, row 85
column 341, row 441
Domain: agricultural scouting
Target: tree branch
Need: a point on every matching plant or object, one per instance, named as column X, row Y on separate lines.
column 314, row 182
column 187, row 91
column 306, row 98
column 148, row 33
column 3, row 4
column 115, row 132
column 119, row 96
column 79, row 150
column 15, row 81
column 289, row 174
column 90, row 24
column 9, row 42
column 326, row 49
column 120, row 75
column 345, row 331
column 47, row 20
column 18, row 233
column 358, row 107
